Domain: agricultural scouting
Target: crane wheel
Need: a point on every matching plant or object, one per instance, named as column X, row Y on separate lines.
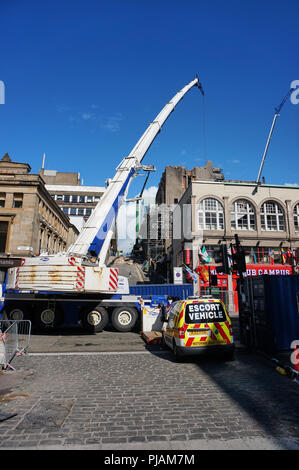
column 94, row 319
column 47, row 316
column 16, row 311
column 124, row 318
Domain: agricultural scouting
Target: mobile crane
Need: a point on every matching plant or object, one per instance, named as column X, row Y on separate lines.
column 277, row 113
column 43, row 287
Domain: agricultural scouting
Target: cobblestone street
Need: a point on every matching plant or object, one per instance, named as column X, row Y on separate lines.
column 144, row 399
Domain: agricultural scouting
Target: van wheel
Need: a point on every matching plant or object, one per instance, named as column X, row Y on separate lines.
column 176, row 352
column 95, row 319
column 124, row 318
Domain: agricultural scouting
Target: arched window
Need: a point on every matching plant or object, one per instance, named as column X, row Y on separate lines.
column 272, row 217
column 242, row 215
column 296, row 217
column 210, row 215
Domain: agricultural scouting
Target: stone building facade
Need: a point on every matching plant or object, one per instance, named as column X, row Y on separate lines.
column 31, row 222
column 176, row 179
column 173, row 184
column 265, row 217
column 75, row 200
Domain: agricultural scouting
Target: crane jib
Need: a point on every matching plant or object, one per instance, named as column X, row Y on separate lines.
column 98, row 241
column 96, row 235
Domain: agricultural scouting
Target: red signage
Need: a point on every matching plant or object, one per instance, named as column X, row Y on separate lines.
column 270, row 269
column 263, row 269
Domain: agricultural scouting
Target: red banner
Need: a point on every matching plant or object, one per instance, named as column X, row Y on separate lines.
column 188, row 256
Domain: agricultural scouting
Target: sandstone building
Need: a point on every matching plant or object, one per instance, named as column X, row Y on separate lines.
column 265, row 217
column 31, row 222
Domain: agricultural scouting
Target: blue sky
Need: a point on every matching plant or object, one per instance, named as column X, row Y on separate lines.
column 83, row 79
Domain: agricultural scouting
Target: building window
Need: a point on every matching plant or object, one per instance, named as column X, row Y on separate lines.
column 65, row 210
column 66, row 198
column 59, row 197
column 2, row 199
column 87, row 211
column 81, row 198
column 89, row 199
column 17, row 200
column 75, row 198
column 80, row 211
column 210, row 215
column 242, row 215
column 296, row 217
column 3, row 236
column 73, row 211
column 272, row 217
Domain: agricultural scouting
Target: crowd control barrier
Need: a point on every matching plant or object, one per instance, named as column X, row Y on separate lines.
column 14, row 340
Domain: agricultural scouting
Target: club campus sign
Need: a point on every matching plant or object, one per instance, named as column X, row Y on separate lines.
column 260, row 270
column 280, row 271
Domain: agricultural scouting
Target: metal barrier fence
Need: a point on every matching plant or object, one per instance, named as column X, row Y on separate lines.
column 14, row 340
column 226, row 296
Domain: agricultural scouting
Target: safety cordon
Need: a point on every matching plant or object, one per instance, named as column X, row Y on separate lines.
column 283, row 369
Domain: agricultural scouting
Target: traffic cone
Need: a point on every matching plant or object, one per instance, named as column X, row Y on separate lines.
column 296, row 359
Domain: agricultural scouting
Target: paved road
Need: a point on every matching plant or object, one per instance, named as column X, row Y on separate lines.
column 142, row 399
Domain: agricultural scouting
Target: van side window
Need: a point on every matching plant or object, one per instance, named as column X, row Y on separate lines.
column 172, row 311
column 178, row 308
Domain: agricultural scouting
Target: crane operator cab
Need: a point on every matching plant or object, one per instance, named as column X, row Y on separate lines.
column 199, row 325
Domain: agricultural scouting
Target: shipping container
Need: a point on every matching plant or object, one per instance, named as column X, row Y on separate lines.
column 269, row 312
column 182, row 291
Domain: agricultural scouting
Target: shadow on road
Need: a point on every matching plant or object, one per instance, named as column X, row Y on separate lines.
column 268, row 399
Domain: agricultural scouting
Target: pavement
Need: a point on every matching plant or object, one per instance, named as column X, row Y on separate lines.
column 77, row 392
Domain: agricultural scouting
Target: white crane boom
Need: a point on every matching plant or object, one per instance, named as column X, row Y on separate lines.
column 94, row 240
column 277, row 113
column 82, row 268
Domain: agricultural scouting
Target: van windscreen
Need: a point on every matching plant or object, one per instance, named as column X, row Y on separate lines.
column 204, row 312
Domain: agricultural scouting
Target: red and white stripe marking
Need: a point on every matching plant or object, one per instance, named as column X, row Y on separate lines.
column 113, row 279
column 80, row 280
column 17, row 278
column 18, row 273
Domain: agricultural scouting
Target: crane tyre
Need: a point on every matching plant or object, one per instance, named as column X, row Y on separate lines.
column 95, row 319
column 124, row 318
column 17, row 311
column 48, row 317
